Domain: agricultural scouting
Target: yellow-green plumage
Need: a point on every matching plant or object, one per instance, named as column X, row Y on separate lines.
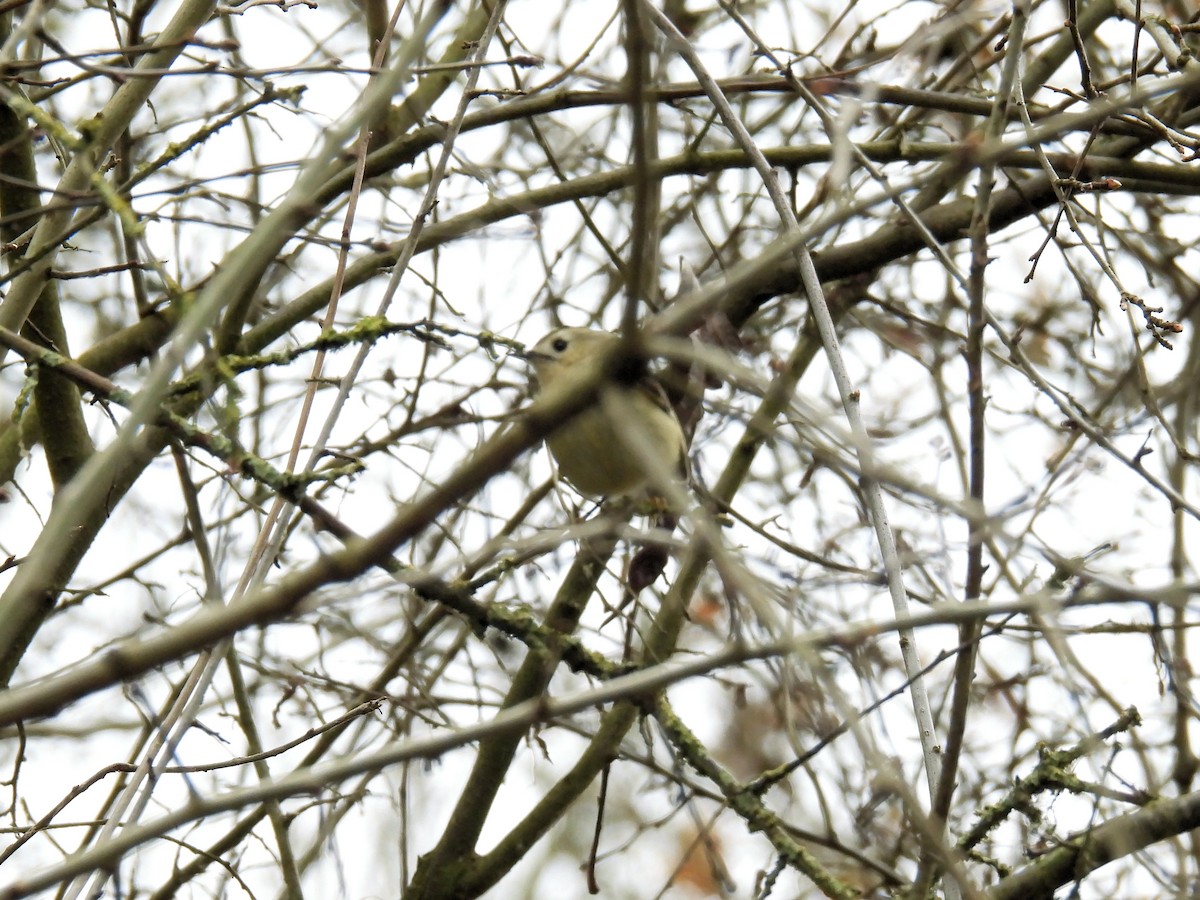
column 601, row 452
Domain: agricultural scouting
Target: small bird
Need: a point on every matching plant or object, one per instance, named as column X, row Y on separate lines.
column 594, row 451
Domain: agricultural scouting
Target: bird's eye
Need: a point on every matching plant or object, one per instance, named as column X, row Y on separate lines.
column 560, row 344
